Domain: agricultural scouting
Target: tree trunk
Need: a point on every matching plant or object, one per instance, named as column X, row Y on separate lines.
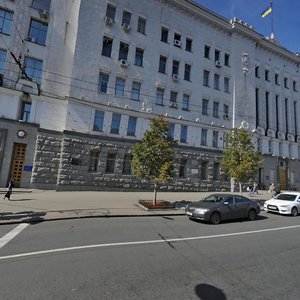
column 240, row 186
column 154, row 194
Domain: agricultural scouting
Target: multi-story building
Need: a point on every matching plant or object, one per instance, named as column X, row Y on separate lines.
column 80, row 80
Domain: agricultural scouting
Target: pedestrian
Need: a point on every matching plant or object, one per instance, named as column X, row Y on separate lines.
column 249, row 189
column 272, row 188
column 255, row 188
column 10, row 186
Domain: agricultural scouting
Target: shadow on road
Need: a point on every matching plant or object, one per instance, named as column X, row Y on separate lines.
column 208, row 292
column 28, row 216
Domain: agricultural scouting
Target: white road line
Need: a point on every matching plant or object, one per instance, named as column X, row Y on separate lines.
column 13, row 233
column 145, row 242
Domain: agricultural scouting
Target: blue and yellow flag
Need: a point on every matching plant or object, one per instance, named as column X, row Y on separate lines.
column 266, row 12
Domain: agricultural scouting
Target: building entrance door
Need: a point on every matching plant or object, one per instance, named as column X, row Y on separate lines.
column 16, row 170
column 282, row 179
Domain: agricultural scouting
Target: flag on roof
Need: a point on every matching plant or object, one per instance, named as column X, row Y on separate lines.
column 266, row 12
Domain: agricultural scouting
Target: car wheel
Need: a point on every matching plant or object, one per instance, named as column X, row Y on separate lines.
column 215, row 218
column 294, row 212
column 252, row 215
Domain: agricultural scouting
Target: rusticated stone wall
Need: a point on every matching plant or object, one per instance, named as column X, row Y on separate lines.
column 62, row 162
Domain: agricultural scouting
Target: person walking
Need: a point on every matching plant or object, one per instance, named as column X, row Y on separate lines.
column 255, row 188
column 10, row 186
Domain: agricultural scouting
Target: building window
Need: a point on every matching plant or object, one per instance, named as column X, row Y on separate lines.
column 139, row 53
column 111, row 11
column 159, row 100
column 38, row 32
column 204, row 107
column 33, row 69
column 295, row 86
column 204, row 170
column 25, row 111
column 173, row 96
column 204, row 137
column 175, row 67
column 182, row 168
column 267, row 75
column 216, row 109
column 217, row 55
column 187, row 72
column 216, row 171
column 110, row 163
column 276, row 79
column 183, row 134
column 123, row 51
column 120, row 86
column 103, row 82
column 141, row 25
column 286, row 108
column 216, row 81
column 215, row 139
column 286, row 82
column 126, row 17
column 185, row 102
column 164, row 34
column 94, row 161
column 135, row 90
column 2, row 61
column 188, row 44
column 257, row 72
column 41, row 4
column 226, row 85
column 162, row 64
column 131, row 126
column 177, row 40
column 107, row 46
column 206, row 51
column 226, row 112
column 115, row 123
column 206, row 78
column 226, row 59
column 171, row 129
column 127, row 164
column 98, row 120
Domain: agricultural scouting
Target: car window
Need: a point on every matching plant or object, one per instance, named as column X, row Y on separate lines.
column 239, row 199
column 213, row 198
column 286, row 197
column 229, row 200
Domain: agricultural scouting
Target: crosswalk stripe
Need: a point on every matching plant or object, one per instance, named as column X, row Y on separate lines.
column 13, row 233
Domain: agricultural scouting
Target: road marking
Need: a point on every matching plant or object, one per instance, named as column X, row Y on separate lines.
column 13, row 233
column 145, row 242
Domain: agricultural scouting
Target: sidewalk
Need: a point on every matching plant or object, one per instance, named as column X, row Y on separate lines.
column 39, row 205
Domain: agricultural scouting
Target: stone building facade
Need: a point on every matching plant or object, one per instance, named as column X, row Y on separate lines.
column 79, row 83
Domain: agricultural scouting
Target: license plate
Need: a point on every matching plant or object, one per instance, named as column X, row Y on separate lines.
column 272, row 207
column 189, row 213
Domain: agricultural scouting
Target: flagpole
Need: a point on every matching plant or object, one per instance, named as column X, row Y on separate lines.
column 272, row 24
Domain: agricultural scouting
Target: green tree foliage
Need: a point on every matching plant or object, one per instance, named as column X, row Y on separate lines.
column 240, row 159
column 153, row 156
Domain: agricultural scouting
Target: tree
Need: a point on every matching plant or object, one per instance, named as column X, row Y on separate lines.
column 153, row 156
column 240, row 159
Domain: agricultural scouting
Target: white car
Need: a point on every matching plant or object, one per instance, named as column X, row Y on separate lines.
column 287, row 203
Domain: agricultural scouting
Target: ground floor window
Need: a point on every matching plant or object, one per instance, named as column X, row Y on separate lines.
column 110, row 163
column 127, row 164
column 94, row 160
column 204, row 170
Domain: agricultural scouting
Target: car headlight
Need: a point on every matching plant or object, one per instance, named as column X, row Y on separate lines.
column 283, row 206
column 201, row 210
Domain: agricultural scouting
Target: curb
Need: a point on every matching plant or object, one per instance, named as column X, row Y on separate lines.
column 40, row 220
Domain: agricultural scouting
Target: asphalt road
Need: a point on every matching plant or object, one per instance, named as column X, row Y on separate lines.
column 151, row 258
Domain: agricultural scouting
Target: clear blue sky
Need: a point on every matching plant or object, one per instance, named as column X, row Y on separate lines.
column 286, row 17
